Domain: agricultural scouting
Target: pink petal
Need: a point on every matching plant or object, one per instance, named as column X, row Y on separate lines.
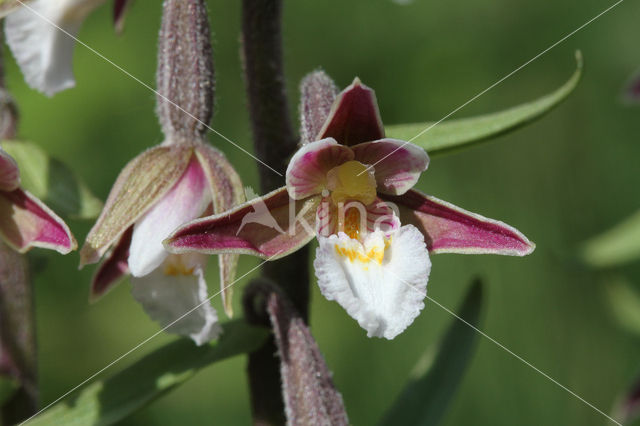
column 450, row 229
column 269, row 227
column 380, row 215
column 26, row 222
column 227, row 192
column 397, row 164
column 308, row 168
column 113, row 268
column 186, row 201
column 354, row 117
column 9, row 173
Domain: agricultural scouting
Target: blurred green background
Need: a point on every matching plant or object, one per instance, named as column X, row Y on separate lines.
column 560, row 181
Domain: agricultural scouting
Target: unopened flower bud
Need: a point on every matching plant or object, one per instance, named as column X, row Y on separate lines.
column 185, row 76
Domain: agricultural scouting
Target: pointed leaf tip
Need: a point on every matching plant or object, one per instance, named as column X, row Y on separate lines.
column 443, row 137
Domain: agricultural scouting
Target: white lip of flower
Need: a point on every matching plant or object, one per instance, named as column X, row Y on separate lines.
column 378, row 275
column 43, row 52
column 167, row 286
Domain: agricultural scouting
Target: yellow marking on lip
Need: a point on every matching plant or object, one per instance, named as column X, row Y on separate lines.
column 174, row 267
column 375, row 254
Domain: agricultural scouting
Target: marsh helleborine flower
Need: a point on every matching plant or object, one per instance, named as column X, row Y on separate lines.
column 44, row 52
column 178, row 181
column 25, row 221
column 375, row 233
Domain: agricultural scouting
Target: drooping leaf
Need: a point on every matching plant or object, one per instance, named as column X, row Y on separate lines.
column 110, row 399
column 618, row 245
column 52, row 181
column 425, row 399
column 455, row 134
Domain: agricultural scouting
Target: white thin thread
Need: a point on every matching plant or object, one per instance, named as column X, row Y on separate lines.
column 115, row 361
column 494, row 84
column 519, row 358
column 128, row 74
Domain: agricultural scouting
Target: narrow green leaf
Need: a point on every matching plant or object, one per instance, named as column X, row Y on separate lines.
column 425, row 398
column 111, row 399
column 455, row 134
column 52, row 181
column 618, row 245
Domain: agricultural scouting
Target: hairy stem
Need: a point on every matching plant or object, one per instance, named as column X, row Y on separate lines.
column 274, row 142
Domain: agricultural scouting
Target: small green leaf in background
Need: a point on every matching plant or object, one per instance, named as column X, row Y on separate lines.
column 624, row 301
column 425, row 399
column 111, row 399
column 616, row 246
column 455, row 134
column 52, row 181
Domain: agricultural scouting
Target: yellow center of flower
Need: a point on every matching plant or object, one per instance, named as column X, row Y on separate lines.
column 352, row 181
column 174, row 265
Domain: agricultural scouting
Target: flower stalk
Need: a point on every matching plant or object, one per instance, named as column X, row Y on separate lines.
column 274, row 142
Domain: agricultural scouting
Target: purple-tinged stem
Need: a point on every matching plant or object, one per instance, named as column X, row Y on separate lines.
column 274, row 142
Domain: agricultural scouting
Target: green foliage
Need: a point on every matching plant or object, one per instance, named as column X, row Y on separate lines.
column 52, row 181
column 625, row 303
column 618, row 245
column 426, row 397
column 456, row 134
column 109, row 400
column 7, row 388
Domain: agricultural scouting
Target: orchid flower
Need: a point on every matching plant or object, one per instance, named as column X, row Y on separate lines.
column 165, row 186
column 374, row 232
column 41, row 34
column 25, row 221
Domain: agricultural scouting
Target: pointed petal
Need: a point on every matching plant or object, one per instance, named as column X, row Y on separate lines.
column 317, row 94
column 227, row 192
column 144, row 181
column 397, row 164
column 119, row 12
column 186, row 201
column 27, row 222
column 112, row 269
column 43, row 52
column 9, row 173
column 450, row 229
column 381, row 283
column 178, row 302
column 269, row 227
column 354, row 117
column 308, row 168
